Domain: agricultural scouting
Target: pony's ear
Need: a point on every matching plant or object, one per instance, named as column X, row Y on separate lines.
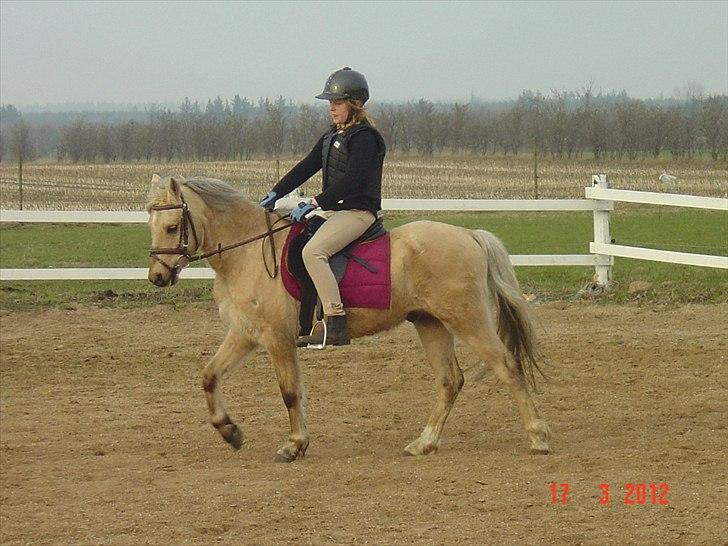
column 175, row 187
column 156, row 186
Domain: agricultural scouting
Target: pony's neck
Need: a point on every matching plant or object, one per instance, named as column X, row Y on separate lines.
column 224, row 227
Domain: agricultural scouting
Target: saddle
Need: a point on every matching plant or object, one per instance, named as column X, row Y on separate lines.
column 339, row 263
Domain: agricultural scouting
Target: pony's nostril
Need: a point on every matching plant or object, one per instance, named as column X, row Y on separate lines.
column 158, row 281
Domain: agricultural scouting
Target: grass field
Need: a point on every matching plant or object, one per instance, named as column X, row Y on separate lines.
column 685, row 230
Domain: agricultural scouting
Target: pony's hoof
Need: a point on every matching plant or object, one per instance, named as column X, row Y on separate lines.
column 288, row 455
column 284, row 457
column 232, row 435
column 415, row 449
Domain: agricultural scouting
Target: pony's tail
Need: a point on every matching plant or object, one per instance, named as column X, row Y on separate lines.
column 515, row 323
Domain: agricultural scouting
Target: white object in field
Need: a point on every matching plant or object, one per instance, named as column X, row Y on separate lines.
column 667, row 178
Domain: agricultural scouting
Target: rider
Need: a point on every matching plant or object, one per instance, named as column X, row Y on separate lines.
column 350, row 154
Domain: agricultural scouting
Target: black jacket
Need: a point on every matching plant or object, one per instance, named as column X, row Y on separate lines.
column 352, row 169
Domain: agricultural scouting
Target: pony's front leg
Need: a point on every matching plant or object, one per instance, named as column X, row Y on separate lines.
column 290, row 381
column 231, row 353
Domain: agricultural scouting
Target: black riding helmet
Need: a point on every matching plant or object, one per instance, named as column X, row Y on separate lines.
column 345, row 84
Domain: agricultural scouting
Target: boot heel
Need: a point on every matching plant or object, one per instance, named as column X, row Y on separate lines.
column 337, row 330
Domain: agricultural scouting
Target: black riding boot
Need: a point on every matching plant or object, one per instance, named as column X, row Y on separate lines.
column 335, row 333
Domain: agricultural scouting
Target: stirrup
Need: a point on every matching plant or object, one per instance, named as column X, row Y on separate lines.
column 305, row 341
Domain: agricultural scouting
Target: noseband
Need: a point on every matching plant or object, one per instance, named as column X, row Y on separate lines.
column 182, row 248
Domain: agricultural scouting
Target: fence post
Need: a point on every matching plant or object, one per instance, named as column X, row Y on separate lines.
column 602, row 234
column 20, row 180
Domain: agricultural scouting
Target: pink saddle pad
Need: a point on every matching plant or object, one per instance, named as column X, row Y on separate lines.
column 359, row 287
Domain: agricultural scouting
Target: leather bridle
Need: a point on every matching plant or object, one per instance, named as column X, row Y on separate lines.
column 182, row 248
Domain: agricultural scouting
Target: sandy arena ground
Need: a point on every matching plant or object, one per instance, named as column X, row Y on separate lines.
column 105, row 439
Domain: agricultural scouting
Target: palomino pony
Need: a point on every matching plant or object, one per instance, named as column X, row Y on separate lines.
column 448, row 281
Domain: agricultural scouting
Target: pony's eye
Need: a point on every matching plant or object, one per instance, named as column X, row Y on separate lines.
column 172, row 229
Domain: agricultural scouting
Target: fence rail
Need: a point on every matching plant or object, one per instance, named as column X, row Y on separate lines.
column 599, row 199
column 74, row 216
column 452, row 205
column 653, row 198
column 131, row 273
column 656, row 255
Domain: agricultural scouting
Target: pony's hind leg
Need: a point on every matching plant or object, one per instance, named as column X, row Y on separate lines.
column 482, row 338
column 231, row 353
column 439, row 345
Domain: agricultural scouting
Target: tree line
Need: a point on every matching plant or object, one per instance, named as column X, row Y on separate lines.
column 560, row 124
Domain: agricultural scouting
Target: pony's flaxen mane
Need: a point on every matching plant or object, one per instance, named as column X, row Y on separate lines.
column 216, row 194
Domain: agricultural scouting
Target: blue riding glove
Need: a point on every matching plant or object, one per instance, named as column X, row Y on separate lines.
column 302, row 209
column 269, row 201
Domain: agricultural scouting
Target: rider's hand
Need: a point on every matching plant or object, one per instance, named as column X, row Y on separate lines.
column 302, row 209
column 269, row 201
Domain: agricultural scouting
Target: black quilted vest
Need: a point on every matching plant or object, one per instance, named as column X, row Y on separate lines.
column 334, row 160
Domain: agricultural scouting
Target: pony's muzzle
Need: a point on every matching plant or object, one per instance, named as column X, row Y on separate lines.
column 157, row 279
column 162, row 274
column 159, row 275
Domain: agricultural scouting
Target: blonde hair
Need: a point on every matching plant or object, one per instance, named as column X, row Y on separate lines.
column 358, row 115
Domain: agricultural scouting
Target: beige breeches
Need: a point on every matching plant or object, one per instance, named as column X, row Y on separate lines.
column 341, row 228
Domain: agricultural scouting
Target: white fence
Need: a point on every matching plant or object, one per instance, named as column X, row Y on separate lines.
column 599, row 199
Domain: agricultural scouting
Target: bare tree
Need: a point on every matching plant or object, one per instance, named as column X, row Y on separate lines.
column 481, row 132
column 9, row 117
column 306, row 128
column 22, row 148
column 535, row 121
column 165, row 134
column 424, row 119
column 714, row 123
column 459, row 126
column 510, row 129
column 126, row 141
column 73, row 140
column 107, row 150
column 631, row 121
column 389, row 123
column 557, row 124
column 275, row 126
column 21, row 144
column 189, row 116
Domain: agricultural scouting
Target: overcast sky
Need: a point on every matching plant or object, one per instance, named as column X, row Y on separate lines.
column 142, row 52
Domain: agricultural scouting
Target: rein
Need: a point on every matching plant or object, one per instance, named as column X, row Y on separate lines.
column 186, row 225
